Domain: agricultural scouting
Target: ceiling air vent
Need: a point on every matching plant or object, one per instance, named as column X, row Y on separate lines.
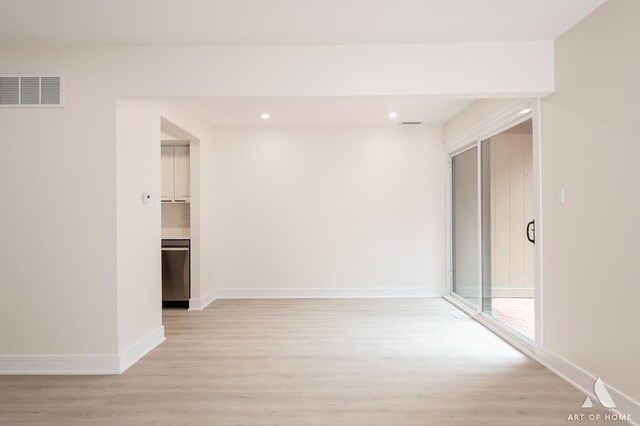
column 411, row 122
column 30, row 91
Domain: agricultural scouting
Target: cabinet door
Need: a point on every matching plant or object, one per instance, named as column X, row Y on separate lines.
column 167, row 189
column 181, row 173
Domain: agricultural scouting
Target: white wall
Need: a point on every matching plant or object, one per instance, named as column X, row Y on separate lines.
column 328, row 208
column 590, row 143
column 59, row 288
column 139, row 230
column 139, row 225
column 58, row 220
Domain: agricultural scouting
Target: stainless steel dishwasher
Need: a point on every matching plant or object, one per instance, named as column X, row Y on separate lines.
column 176, row 273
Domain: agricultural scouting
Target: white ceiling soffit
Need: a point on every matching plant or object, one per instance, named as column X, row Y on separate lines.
column 322, row 111
column 283, row 22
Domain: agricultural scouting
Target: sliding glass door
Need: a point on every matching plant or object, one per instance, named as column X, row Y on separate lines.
column 507, row 228
column 493, row 228
column 465, row 223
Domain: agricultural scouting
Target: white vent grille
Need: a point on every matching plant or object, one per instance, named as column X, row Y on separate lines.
column 31, row 91
column 9, row 90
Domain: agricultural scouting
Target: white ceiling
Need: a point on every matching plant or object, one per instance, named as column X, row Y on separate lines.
column 262, row 22
column 318, row 111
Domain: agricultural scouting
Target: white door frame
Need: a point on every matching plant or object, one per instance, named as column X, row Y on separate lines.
column 509, row 116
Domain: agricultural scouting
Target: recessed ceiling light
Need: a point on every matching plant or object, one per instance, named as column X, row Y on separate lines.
column 264, row 116
column 525, row 111
column 393, row 115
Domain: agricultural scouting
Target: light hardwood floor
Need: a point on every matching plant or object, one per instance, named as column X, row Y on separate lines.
column 307, row 362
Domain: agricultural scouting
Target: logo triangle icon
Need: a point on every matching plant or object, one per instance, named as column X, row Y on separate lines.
column 587, row 403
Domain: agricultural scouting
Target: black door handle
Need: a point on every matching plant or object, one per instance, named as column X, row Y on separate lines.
column 531, row 229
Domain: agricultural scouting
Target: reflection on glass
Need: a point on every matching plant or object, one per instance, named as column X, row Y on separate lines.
column 466, row 279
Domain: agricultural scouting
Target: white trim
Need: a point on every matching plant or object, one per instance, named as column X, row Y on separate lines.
column 81, row 364
column 139, row 349
column 496, row 120
column 583, row 381
column 59, row 364
column 539, row 223
column 198, row 304
column 326, row 293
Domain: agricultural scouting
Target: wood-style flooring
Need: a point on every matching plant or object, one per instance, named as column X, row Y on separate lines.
column 308, row 362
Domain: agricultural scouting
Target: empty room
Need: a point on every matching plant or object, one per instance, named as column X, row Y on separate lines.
column 295, row 212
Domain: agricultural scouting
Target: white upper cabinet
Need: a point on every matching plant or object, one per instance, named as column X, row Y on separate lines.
column 167, row 190
column 181, row 174
column 175, row 174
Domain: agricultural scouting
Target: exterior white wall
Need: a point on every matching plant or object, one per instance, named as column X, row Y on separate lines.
column 328, row 208
column 590, row 143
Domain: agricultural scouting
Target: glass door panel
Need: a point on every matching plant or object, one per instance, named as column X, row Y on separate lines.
column 465, row 224
column 507, row 222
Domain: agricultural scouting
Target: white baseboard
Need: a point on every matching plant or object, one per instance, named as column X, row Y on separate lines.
column 139, row 349
column 325, row 293
column 584, row 381
column 81, row 364
column 59, row 364
column 198, row 304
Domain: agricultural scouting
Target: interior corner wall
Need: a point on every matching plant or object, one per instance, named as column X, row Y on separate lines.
column 139, row 231
column 346, row 208
column 591, row 144
column 139, row 224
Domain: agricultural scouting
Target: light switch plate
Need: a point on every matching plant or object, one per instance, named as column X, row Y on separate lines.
column 560, row 195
